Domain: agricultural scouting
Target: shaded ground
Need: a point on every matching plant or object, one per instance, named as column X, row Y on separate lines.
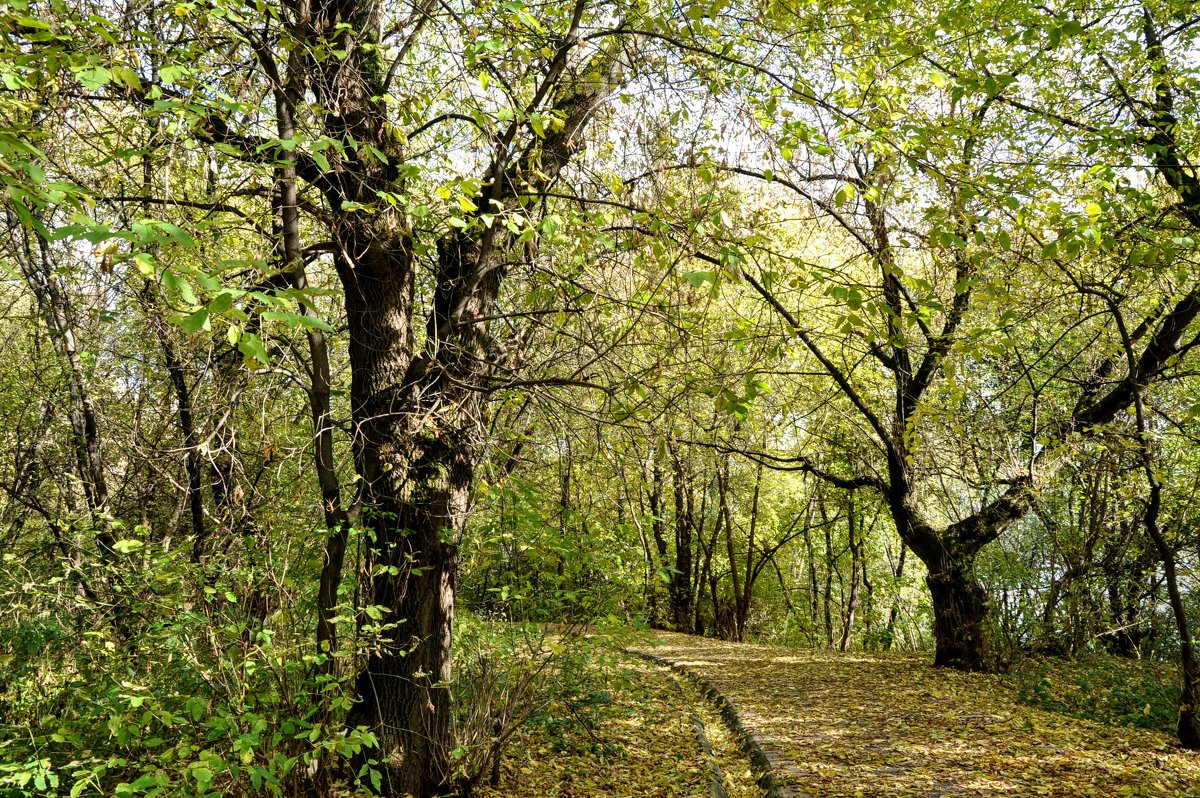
column 628, row 730
column 891, row 725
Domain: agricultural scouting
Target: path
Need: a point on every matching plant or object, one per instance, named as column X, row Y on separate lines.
column 891, row 725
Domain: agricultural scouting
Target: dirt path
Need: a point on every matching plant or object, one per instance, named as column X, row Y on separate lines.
column 891, row 725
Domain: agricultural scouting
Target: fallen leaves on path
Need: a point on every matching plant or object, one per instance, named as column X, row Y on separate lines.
column 627, row 732
column 892, row 725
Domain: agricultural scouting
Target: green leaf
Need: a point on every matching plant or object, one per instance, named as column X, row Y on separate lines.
column 251, row 346
column 176, row 234
column 127, row 77
column 196, row 322
column 146, row 264
column 172, row 74
column 202, row 775
column 294, row 320
column 94, row 78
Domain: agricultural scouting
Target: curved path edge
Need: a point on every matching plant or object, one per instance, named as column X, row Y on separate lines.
column 767, row 759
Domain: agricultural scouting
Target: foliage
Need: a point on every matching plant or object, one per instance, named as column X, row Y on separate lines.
column 1102, row 688
column 850, row 325
column 208, row 699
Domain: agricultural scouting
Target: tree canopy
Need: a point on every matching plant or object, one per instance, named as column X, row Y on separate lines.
column 846, row 324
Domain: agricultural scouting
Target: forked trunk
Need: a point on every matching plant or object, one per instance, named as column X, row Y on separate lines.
column 416, row 429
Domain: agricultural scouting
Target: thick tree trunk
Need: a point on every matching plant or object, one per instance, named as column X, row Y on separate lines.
column 415, row 451
column 404, row 693
column 960, row 614
column 416, row 414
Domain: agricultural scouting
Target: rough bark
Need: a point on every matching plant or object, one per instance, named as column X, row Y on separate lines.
column 960, row 614
column 414, row 414
column 680, row 588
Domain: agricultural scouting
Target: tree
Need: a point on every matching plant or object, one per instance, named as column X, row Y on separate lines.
column 921, row 279
column 421, row 355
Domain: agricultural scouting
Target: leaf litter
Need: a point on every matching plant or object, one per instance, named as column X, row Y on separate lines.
column 870, row 724
column 630, row 732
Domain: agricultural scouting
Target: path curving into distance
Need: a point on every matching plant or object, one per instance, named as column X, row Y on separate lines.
column 832, row 725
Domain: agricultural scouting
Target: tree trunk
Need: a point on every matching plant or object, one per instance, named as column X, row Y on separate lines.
column 416, row 415
column 681, row 584
column 830, row 569
column 706, row 576
column 960, row 613
column 1188, row 722
column 403, row 690
column 654, row 609
column 894, row 613
column 737, row 626
column 814, row 591
column 700, row 562
column 184, row 419
column 415, row 451
column 855, row 557
column 743, row 600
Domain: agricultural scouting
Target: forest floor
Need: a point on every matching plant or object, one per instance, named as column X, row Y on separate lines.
column 628, row 728
column 859, row 724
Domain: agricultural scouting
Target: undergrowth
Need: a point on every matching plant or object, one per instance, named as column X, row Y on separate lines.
column 1106, row 689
